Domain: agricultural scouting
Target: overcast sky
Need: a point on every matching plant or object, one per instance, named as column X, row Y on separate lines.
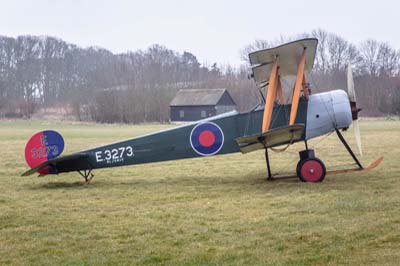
column 213, row 30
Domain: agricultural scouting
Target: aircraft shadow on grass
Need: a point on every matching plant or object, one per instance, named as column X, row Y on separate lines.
column 252, row 181
column 62, row 185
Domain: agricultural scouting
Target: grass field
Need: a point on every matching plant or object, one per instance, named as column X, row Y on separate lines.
column 205, row 211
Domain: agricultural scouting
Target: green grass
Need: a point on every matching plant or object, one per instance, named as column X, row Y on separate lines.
column 204, row 211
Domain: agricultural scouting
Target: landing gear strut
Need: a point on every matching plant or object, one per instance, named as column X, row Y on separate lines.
column 348, row 148
column 87, row 175
column 269, row 178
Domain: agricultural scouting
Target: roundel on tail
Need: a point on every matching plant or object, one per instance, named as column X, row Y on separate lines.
column 207, row 138
column 43, row 146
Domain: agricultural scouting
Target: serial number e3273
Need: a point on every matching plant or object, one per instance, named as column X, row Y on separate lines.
column 114, row 155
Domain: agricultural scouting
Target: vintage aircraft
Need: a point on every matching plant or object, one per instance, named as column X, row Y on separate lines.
column 267, row 126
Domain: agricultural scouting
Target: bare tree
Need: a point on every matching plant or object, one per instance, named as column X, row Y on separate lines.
column 321, row 56
column 369, row 51
column 387, row 60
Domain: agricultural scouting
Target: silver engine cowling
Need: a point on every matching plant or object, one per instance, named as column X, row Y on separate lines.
column 327, row 111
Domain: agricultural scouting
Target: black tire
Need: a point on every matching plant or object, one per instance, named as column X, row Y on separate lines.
column 311, row 162
column 298, row 168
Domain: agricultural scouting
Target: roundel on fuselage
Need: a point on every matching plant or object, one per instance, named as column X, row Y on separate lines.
column 207, row 138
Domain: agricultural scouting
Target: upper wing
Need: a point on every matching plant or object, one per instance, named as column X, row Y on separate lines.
column 289, row 57
column 72, row 162
column 274, row 137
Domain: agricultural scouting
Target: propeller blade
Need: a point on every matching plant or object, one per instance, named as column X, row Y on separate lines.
column 357, row 135
column 350, row 84
column 352, row 97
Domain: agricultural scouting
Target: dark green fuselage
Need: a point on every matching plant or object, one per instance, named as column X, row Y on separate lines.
column 174, row 143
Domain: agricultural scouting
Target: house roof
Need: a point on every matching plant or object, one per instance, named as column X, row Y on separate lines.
column 189, row 97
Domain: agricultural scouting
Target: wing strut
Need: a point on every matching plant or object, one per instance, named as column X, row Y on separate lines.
column 300, row 80
column 280, row 92
column 271, row 95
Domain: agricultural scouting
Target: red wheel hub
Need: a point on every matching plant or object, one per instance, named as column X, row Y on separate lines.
column 311, row 171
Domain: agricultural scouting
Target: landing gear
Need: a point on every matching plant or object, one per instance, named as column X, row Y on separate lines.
column 87, row 175
column 310, row 168
column 269, row 178
column 348, row 148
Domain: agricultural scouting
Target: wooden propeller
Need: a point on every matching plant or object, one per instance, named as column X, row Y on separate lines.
column 353, row 104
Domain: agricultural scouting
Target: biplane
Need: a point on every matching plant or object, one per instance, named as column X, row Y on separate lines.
column 270, row 124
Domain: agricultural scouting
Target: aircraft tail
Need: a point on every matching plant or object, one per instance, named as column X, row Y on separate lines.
column 41, row 147
column 42, row 154
column 77, row 161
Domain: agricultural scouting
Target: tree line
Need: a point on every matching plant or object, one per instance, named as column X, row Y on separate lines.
column 98, row 85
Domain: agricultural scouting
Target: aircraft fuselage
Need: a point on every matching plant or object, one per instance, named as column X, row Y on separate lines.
column 321, row 114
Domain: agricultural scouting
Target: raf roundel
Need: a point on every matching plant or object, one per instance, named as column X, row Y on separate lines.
column 206, row 138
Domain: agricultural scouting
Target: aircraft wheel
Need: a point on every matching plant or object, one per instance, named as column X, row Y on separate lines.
column 311, row 170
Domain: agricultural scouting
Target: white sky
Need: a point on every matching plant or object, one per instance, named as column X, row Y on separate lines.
column 213, row 30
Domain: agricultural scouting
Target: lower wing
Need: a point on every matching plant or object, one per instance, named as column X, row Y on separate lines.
column 271, row 138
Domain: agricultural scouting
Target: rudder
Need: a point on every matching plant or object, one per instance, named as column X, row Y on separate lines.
column 43, row 146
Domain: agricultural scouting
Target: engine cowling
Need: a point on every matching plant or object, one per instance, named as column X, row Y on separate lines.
column 327, row 111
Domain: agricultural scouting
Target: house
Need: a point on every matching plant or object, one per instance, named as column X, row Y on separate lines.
column 196, row 104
